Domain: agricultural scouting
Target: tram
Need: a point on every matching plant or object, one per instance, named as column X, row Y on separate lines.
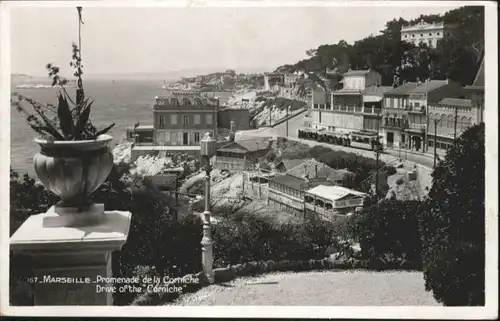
column 360, row 139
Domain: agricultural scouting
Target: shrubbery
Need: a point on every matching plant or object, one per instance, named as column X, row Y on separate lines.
column 453, row 228
column 257, row 240
column 388, row 232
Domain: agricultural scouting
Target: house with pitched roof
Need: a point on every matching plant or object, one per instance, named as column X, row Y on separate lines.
column 404, row 121
column 286, row 191
column 242, row 154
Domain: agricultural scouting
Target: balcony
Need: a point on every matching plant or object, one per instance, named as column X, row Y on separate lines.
column 347, row 108
column 418, row 127
column 393, row 123
column 372, row 111
column 417, row 110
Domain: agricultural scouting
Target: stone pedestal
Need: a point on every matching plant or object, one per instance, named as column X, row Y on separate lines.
column 72, row 259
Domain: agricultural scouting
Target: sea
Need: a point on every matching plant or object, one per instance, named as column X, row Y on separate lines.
column 124, row 102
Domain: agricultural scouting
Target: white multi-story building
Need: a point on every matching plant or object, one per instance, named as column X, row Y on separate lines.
column 343, row 110
column 426, row 33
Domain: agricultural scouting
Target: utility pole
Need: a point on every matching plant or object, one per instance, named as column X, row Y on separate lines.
column 455, row 124
column 270, row 109
column 435, row 135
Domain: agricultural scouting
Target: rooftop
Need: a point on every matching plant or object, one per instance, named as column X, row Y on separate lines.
column 417, row 88
column 402, row 90
column 376, row 90
column 314, row 169
column 289, row 180
column 291, row 163
column 479, row 80
column 425, row 87
column 334, row 193
column 250, row 144
column 347, row 91
column 356, row 72
column 456, row 102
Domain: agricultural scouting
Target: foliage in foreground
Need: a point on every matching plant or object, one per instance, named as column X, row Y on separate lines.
column 453, row 227
column 388, row 232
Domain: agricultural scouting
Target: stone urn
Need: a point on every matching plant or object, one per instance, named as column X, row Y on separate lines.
column 73, row 170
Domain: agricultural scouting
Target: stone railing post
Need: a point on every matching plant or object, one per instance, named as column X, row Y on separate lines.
column 72, row 257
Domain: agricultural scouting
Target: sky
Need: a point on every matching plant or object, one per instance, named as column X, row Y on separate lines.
column 127, row 40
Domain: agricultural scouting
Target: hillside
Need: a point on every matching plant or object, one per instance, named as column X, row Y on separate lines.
column 384, row 52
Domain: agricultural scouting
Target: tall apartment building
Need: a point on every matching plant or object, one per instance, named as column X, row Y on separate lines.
column 344, row 110
column 405, row 111
column 428, row 33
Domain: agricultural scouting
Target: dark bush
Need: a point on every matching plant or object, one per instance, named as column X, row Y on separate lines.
column 453, row 227
column 388, row 232
column 254, row 239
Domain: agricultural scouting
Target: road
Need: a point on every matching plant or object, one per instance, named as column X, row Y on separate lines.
column 295, row 123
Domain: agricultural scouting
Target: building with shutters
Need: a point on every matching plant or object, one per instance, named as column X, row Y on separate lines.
column 343, row 110
column 180, row 120
column 405, row 108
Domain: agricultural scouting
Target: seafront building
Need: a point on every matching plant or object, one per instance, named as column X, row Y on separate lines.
column 428, row 33
column 180, row 119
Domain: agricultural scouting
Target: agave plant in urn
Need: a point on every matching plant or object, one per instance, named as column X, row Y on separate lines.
column 74, row 158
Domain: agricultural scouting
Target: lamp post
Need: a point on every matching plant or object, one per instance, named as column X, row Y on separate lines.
column 208, row 145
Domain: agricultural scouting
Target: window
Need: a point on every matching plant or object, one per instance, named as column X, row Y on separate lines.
column 161, row 121
column 161, row 102
column 173, row 119
column 421, row 35
column 413, row 36
column 315, row 106
column 209, row 119
column 438, row 33
column 430, row 34
column 196, row 138
column 185, row 120
column 406, row 36
column 197, row 119
column 417, row 105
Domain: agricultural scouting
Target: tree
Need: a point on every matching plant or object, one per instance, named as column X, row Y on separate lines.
column 453, row 226
column 388, row 233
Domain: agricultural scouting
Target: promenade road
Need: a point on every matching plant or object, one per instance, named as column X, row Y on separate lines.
column 295, row 123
